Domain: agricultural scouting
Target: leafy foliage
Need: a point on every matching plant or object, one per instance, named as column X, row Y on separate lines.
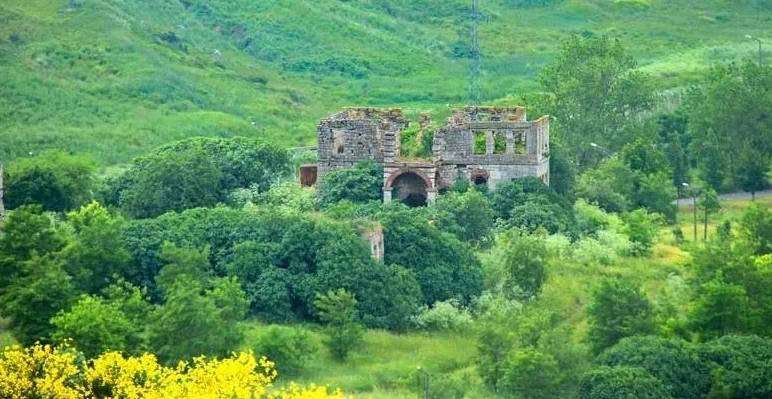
column 621, row 382
column 289, row 348
column 359, row 184
column 618, row 309
column 337, row 309
column 52, row 179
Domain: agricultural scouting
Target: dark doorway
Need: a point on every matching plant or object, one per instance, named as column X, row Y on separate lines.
column 410, row 189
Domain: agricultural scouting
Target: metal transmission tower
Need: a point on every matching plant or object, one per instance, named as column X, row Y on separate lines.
column 475, row 68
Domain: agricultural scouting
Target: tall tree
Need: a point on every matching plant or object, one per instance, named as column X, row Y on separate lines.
column 730, row 124
column 618, row 309
column 597, row 93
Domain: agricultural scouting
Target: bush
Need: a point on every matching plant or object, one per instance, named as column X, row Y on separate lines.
column 524, row 259
column 95, row 326
column 642, row 228
column 359, row 184
column 338, row 310
column 683, row 374
column 467, row 215
column 621, row 383
column 444, row 316
column 618, row 309
column 289, row 348
column 741, row 366
column 530, row 374
column 53, row 179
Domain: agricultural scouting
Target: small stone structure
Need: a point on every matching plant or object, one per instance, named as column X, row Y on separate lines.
column 373, row 234
column 482, row 145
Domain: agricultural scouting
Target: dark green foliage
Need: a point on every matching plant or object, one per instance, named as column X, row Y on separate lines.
column 393, row 300
column 530, row 204
column 281, row 260
column 359, row 184
column 732, row 98
column 467, row 215
column 674, row 140
column 337, row 309
column 683, row 374
column 195, row 321
column 26, row 232
column 95, row 326
column 741, row 366
column 756, row 229
column 618, row 309
column 289, row 348
column 444, row 266
column 524, row 259
column 196, row 172
column 530, row 374
column 731, row 290
column 621, row 383
column 53, row 179
column 171, row 182
column 40, row 292
column 597, row 95
column 97, row 252
column 642, row 228
column 610, row 185
column 562, row 169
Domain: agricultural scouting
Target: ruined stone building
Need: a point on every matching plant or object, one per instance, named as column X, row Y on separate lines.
column 482, row 145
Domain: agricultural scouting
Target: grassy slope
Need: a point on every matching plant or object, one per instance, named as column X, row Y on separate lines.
column 98, row 78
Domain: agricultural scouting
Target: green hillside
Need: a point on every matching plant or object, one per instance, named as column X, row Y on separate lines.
column 117, row 77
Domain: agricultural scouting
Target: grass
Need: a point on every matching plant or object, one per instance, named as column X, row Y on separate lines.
column 731, row 210
column 114, row 78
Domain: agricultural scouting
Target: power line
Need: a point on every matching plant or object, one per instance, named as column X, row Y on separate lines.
column 475, row 68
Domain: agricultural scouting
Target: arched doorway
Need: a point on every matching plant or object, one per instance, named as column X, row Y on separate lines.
column 411, row 189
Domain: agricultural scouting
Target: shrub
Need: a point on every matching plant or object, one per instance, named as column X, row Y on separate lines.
column 289, row 348
column 741, row 366
column 524, row 259
column 359, row 184
column 467, row 215
column 53, row 179
column 530, row 374
column 338, row 310
column 618, row 309
column 683, row 374
column 621, row 383
column 444, row 316
column 95, row 326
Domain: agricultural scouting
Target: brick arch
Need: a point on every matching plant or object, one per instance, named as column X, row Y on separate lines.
column 397, row 173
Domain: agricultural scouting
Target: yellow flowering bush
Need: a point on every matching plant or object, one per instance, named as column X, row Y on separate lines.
column 44, row 371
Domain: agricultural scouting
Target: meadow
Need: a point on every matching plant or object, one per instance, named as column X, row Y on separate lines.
column 116, row 78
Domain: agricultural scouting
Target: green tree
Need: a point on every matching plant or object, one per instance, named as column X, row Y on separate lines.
column 95, row 326
column 752, row 169
column 621, row 383
column 732, row 98
column 708, row 203
column 467, row 215
column 27, row 232
column 721, row 308
column 618, row 309
column 97, row 253
column 494, row 342
column 641, row 227
column 200, row 314
column 683, row 374
column 39, row 293
column 740, row 366
column 611, row 185
column 524, row 258
column 171, row 182
column 290, row 348
column 756, row 229
column 529, row 373
column 597, row 95
column 196, row 172
column 337, row 309
column 53, row 179
column 362, row 183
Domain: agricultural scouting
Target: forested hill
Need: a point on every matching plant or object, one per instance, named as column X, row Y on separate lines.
column 117, row 77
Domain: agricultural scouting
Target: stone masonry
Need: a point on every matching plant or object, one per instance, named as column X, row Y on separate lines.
column 482, row 145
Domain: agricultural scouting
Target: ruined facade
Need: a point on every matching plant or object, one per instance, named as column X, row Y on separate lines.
column 482, row 145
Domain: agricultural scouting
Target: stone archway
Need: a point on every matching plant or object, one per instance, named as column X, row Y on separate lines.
column 410, row 188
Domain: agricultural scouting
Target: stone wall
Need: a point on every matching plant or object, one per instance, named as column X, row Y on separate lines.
column 358, row 134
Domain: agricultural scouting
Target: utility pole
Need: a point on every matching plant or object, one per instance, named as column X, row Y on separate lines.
column 475, row 69
column 2, row 205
